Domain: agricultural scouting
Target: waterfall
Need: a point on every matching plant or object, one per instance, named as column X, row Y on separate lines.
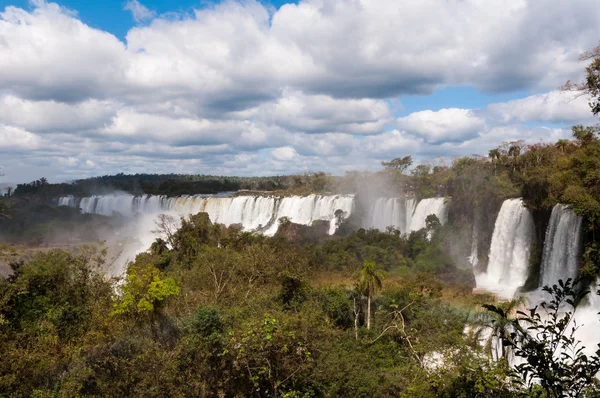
column 588, row 321
column 395, row 212
column 425, row 208
column 411, row 204
column 509, row 252
column 562, row 246
column 253, row 213
column 69, row 201
column 474, row 256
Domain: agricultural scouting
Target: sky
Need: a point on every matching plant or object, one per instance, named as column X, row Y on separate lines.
column 254, row 88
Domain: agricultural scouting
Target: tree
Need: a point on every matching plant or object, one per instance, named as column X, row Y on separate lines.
column 432, row 223
column 494, row 154
column 421, row 170
column 514, row 151
column 497, row 323
column 553, row 358
column 591, row 85
column 339, row 216
column 584, row 135
column 144, row 291
column 370, row 279
column 562, row 145
column 399, row 164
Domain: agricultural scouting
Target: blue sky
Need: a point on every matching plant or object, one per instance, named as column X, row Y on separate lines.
column 110, row 15
column 251, row 88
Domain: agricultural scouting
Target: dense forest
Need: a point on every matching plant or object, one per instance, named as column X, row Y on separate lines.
column 214, row 311
column 171, row 185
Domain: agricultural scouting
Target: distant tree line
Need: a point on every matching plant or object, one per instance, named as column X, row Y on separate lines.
column 174, row 185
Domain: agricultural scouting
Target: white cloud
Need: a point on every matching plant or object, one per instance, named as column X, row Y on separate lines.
column 13, row 139
column 451, row 124
column 239, row 88
column 139, row 11
column 49, row 54
column 391, row 144
column 44, row 116
column 553, row 107
column 296, row 111
column 495, row 136
column 237, row 55
column 284, row 154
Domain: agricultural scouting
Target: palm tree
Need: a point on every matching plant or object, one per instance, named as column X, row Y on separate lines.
column 562, row 145
column 495, row 156
column 497, row 322
column 514, row 151
column 370, row 280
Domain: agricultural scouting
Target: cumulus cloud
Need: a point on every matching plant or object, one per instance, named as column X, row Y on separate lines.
column 296, row 111
column 235, row 55
column 139, row 11
column 239, row 88
column 553, row 107
column 284, row 154
column 14, row 138
column 48, row 54
column 48, row 116
column 451, row 124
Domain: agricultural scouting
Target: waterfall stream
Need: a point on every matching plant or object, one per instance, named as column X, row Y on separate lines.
column 562, row 247
column 394, row 212
column 426, row 207
column 509, row 253
column 253, row 213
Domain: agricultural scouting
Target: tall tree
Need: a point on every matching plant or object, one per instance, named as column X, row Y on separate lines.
column 591, row 85
column 496, row 325
column 400, row 164
column 562, row 145
column 370, row 279
column 494, row 154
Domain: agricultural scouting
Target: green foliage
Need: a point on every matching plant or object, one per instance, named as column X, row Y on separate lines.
column 370, row 278
column 399, row 164
column 144, row 290
column 213, row 311
column 207, row 321
column 552, row 356
column 591, row 85
column 432, row 223
column 337, row 304
column 293, row 292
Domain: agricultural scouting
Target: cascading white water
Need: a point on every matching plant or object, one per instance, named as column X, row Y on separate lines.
column 588, row 321
column 306, row 209
column 253, row 213
column 386, row 212
column 474, row 255
column 425, row 208
column 411, row 204
column 509, row 251
column 395, row 212
column 69, row 201
column 562, row 246
column 124, row 204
